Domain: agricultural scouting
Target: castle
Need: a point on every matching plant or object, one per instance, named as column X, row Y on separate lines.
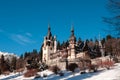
column 53, row 56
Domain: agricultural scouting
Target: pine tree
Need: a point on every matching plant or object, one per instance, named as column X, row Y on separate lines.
column 21, row 56
column 2, row 63
column 20, row 63
column 67, row 43
column 34, row 51
column 103, row 41
column 79, row 41
column 13, row 63
column 58, row 45
column 25, row 55
column 40, row 53
column 108, row 37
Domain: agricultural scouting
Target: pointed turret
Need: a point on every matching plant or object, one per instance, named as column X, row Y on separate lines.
column 49, row 46
column 101, row 47
column 49, row 35
column 72, row 31
column 72, row 37
column 72, row 43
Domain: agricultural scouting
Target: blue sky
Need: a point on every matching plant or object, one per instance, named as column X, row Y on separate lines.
column 24, row 23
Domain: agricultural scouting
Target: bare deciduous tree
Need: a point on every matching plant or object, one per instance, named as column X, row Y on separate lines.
column 114, row 22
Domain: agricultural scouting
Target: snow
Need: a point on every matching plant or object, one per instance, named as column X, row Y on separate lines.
column 8, row 55
column 5, row 53
column 113, row 74
column 10, row 76
column 102, row 74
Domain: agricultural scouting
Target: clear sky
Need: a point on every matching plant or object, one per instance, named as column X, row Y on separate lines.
column 24, row 23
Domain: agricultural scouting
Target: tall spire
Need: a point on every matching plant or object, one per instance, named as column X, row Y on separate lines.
column 72, row 36
column 100, row 44
column 72, row 31
column 48, row 28
column 101, row 47
column 49, row 32
column 99, row 37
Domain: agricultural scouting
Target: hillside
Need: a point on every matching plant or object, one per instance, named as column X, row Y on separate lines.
column 102, row 74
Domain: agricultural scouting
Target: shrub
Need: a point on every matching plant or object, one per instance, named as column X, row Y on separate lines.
column 108, row 63
column 81, row 65
column 44, row 75
column 30, row 73
column 82, row 72
column 61, row 74
column 20, row 70
column 94, row 67
column 115, row 59
column 6, row 72
column 43, row 66
column 72, row 66
column 55, row 69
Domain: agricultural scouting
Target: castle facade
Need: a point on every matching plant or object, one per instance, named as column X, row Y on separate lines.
column 53, row 56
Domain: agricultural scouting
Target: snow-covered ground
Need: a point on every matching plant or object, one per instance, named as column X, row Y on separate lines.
column 112, row 74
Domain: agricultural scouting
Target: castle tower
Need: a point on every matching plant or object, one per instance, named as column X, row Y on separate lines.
column 55, row 44
column 49, row 46
column 72, row 42
column 101, row 47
